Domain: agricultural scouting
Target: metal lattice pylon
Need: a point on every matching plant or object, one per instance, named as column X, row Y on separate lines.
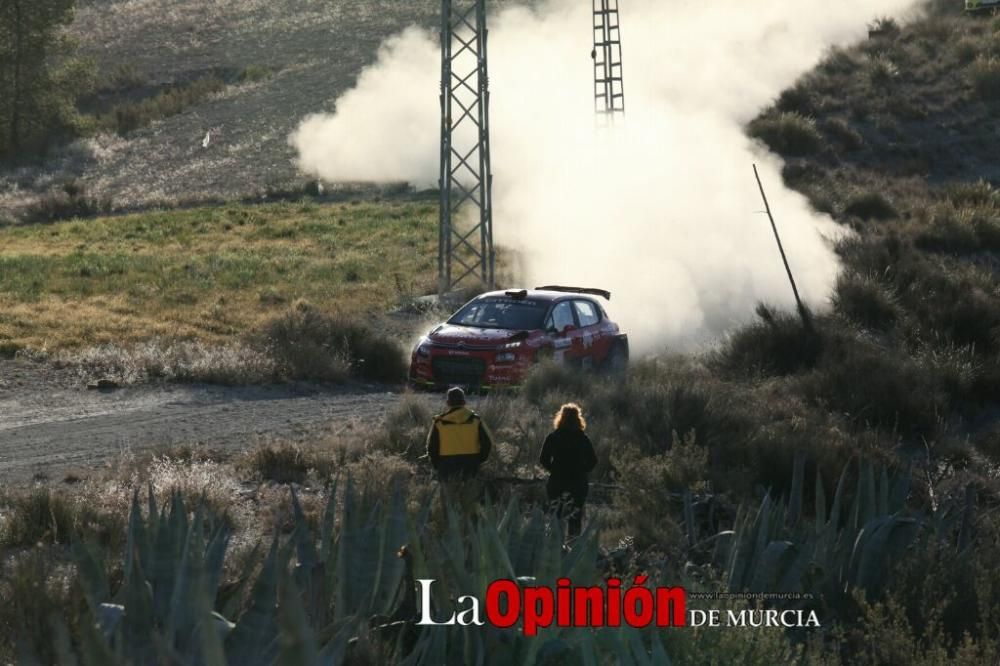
column 465, row 252
column 609, row 93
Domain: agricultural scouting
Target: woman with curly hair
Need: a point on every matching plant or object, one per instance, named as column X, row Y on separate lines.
column 569, row 457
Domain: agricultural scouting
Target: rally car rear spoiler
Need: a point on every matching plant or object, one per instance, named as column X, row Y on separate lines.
column 606, row 295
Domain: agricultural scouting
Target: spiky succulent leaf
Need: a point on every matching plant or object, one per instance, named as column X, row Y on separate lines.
column 254, row 639
column 298, row 644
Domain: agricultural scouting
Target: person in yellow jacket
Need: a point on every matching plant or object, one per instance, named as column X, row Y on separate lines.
column 458, row 442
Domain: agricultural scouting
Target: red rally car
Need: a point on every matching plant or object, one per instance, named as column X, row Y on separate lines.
column 495, row 339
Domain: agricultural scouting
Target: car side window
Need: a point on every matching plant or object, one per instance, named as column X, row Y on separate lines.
column 561, row 316
column 586, row 313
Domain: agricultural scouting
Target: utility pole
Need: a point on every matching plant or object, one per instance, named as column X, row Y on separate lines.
column 803, row 312
column 465, row 252
column 609, row 93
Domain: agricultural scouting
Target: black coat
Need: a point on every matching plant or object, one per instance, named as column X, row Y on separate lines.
column 569, row 457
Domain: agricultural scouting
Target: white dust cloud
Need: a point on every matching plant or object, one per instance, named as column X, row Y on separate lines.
column 663, row 210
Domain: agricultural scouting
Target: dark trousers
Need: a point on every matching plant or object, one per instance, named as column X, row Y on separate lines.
column 457, row 468
column 567, row 501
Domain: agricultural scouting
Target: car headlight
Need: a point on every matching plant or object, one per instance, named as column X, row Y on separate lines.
column 505, row 357
column 423, row 349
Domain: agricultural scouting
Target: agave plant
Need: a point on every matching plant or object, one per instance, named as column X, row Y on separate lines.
column 772, row 549
column 321, row 600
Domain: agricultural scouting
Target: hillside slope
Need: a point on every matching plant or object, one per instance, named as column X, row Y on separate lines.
column 312, row 52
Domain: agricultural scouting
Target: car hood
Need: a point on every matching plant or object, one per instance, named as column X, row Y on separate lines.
column 449, row 334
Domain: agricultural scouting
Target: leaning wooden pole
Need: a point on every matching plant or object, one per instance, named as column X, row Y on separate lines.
column 803, row 313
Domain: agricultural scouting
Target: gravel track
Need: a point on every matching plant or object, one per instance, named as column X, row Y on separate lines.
column 51, row 424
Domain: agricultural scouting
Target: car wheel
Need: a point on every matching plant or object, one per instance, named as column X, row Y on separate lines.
column 617, row 361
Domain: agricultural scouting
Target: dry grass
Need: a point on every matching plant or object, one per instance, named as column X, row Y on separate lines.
column 235, row 364
column 207, row 273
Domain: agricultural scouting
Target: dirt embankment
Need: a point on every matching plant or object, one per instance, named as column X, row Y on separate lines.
column 51, row 424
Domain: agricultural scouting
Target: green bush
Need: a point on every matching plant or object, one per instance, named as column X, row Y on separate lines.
column 128, row 117
column 126, row 76
column 255, row 73
column 787, row 133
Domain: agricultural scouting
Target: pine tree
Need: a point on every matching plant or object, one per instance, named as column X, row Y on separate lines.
column 40, row 79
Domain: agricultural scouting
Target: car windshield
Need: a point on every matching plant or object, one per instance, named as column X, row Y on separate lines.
column 498, row 312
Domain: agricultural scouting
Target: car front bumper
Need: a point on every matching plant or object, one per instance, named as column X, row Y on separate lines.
column 470, row 370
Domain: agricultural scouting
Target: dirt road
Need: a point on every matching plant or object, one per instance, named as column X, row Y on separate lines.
column 51, row 423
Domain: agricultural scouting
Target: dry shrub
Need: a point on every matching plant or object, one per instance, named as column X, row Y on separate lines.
column 647, row 488
column 840, row 130
column 35, row 588
column 37, row 516
column 233, row 363
column 796, row 99
column 775, row 344
column 952, row 233
column 787, row 133
column 984, row 74
column 69, row 201
column 42, row 516
column 877, row 387
column 131, row 116
column 280, row 463
column 273, row 512
column 966, row 49
column 201, row 481
column 975, row 194
column 550, row 379
column 379, row 474
column 870, row 206
column 309, row 344
column 405, row 428
column 864, row 300
column 881, row 71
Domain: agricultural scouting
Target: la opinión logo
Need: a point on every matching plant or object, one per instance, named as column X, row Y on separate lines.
column 539, row 606
column 508, row 603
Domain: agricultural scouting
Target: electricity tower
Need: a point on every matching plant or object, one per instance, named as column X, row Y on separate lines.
column 609, row 94
column 465, row 251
